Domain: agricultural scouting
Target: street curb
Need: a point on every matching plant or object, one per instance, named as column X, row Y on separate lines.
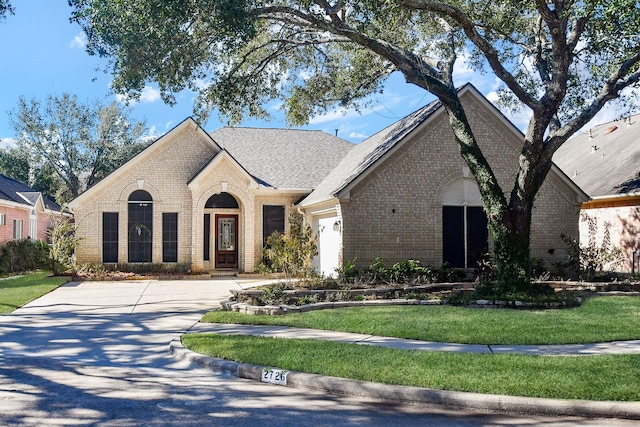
column 420, row 396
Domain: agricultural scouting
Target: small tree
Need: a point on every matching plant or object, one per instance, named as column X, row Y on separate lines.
column 592, row 259
column 62, row 235
column 292, row 253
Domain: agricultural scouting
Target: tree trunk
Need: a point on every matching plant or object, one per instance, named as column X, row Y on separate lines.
column 511, row 236
column 509, row 223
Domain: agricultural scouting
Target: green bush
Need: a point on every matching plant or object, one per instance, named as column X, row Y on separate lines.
column 347, row 273
column 24, row 255
column 590, row 260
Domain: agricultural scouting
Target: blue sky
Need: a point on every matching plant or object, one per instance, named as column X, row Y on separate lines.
column 43, row 54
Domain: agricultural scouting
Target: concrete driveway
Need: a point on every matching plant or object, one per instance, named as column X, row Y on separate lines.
column 96, row 353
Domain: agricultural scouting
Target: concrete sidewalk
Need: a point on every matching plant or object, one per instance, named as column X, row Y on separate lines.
column 616, row 347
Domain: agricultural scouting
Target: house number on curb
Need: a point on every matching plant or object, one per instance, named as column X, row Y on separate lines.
column 274, row 376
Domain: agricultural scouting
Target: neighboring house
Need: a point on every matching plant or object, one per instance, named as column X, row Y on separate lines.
column 211, row 200
column 605, row 163
column 24, row 212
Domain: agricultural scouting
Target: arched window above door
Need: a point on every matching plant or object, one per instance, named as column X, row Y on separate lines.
column 221, row 200
column 462, row 192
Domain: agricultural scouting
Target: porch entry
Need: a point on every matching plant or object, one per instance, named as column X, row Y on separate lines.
column 226, row 241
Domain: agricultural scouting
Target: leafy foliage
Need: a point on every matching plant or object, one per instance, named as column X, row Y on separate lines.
column 69, row 145
column 24, row 255
column 591, row 259
column 292, row 253
column 62, row 235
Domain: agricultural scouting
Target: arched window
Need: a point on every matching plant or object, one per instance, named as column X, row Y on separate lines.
column 140, row 226
column 222, row 200
column 465, row 237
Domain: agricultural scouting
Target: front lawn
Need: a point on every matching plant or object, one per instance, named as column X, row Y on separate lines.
column 566, row 377
column 17, row 291
column 599, row 319
column 610, row 377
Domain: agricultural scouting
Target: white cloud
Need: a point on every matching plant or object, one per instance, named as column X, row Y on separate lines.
column 358, row 135
column 7, row 142
column 147, row 96
column 80, row 40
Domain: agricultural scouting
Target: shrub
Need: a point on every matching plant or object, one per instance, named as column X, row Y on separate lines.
column 62, row 235
column 347, row 273
column 291, row 253
column 592, row 259
column 448, row 274
column 24, row 255
column 407, row 271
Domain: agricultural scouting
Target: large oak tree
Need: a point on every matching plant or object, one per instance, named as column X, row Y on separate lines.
column 563, row 60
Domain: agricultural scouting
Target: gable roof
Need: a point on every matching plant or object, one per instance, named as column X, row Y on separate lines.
column 283, row 158
column 18, row 192
column 366, row 154
column 604, row 161
column 166, row 138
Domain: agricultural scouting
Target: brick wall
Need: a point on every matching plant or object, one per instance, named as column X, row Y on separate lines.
column 181, row 174
column 396, row 211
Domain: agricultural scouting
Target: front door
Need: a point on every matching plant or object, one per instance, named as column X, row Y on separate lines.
column 226, row 252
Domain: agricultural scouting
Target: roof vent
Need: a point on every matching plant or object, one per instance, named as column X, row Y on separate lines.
column 611, row 129
column 590, row 134
column 594, row 148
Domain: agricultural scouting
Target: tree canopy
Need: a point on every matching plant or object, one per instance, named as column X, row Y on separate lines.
column 6, row 8
column 562, row 60
column 67, row 146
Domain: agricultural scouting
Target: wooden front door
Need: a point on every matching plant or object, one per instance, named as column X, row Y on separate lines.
column 226, row 252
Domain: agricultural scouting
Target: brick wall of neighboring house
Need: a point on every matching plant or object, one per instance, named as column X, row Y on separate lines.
column 624, row 231
column 16, row 213
column 13, row 213
column 396, row 211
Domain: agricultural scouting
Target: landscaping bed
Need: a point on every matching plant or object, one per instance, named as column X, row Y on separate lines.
column 291, row 297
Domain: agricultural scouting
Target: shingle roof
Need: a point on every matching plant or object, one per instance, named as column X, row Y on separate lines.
column 367, row 153
column 283, row 158
column 15, row 191
column 604, row 161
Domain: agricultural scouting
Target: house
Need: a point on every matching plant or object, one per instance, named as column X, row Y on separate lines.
column 207, row 200
column 405, row 193
column 24, row 212
column 605, row 162
column 210, row 200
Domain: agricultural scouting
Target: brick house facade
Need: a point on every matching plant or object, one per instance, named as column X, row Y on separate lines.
column 605, row 162
column 403, row 193
column 24, row 212
column 406, row 193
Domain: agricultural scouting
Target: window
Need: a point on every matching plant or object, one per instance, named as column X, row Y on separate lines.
column 17, row 229
column 169, row 237
column 3, row 219
column 33, row 224
column 272, row 220
column 207, row 237
column 221, row 200
column 140, row 227
column 465, row 235
column 110, row 237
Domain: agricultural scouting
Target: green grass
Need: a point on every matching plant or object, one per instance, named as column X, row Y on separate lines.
column 571, row 377
column 599, row 319
column 16, row 292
